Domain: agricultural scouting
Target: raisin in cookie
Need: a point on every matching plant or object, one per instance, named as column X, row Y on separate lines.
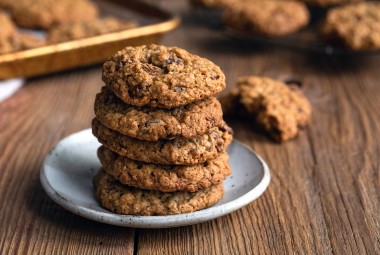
column 177, row 151
column 165, row 178
column 160, row 76
column 124, row 199
column 85, row 29
column 279, row 108
column 152, row 124
column 49, row 13
column 268, row 18
column 356, row 26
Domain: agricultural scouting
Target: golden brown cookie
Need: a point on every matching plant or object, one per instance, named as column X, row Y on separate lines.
column 49, row 13
column 176, row 151
column 124, row 199
column 268, row 18
column 165, row 178
column 84, row 29
column 279, row 108
column 356, row 26
column 152, row 124
column 160, row 76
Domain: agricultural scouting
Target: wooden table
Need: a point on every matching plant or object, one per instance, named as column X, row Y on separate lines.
column 325, row 188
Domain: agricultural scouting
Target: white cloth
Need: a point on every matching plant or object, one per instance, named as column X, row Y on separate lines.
column 8, row 87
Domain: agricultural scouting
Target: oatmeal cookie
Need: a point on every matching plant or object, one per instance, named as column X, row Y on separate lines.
column 46, row 14
column 279, row 108
column 176, row 151
column 85, row 29
column 356, row 26
column 268, row 18
column 152, row 124
column 165, row 178
column 160, row 76
column 124, row 199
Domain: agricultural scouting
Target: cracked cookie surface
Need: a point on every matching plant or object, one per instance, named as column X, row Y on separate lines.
column 124, row 199
column 152, row 124
column 165, row 178
column 160, row 76
column 176, row 151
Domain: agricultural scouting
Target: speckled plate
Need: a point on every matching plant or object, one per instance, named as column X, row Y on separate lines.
column 67, row 172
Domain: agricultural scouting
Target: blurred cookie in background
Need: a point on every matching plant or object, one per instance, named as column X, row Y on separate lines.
column 48, row 13
column 270, row 18
column 355, row 26
column 85, row 29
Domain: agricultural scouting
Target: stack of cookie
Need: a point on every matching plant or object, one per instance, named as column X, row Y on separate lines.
column 163, row 135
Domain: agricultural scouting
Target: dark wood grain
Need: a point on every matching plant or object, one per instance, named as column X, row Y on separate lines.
column 325, row 187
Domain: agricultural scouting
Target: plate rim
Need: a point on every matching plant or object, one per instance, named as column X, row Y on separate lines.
column 178, row 220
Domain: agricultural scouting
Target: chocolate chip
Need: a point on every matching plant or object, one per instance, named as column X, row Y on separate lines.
column 214, row 76
column 150, row 122
column 139, row 90
column 173, row 59
column 150, row 69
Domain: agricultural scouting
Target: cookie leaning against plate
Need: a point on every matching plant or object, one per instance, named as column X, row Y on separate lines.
column 268, row 18
column 123, row 199
column 165, row 178
column 279, row 108
column 152, row 124
column 160, row 76
column 356, row 26
column 176, row 151
column 49, row 13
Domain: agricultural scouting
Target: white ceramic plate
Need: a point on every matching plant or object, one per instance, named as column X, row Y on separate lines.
column 67, row 172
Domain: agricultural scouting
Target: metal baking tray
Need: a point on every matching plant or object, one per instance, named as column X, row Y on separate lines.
column 152, row 23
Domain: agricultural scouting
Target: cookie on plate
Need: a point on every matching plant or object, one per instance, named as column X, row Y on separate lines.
column 46, row 14
column 160, row 76
column 176, row 151
column 165, row 178
column 152, row 124
column 124, row 199
column 279, row 108
column 269, row 18
column 84, row 29
column 356, row 26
